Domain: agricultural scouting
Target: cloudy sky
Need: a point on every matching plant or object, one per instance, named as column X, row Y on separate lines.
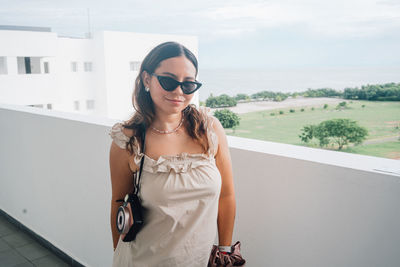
column 239, row 34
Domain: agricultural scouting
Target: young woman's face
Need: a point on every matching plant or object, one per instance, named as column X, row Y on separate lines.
column 181, row 69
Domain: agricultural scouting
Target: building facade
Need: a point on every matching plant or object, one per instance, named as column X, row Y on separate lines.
column 86, row 75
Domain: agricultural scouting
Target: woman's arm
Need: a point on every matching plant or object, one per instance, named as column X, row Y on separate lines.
column 121, row 182
column 227, row 202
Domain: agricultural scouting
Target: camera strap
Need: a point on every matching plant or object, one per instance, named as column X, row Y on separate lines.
column 136, row 179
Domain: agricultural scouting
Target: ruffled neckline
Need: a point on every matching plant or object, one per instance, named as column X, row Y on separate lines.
column 177, row 157
column 182, row 162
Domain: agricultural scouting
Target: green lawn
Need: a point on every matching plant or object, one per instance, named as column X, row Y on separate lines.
column 385, row 150
column 380, row 118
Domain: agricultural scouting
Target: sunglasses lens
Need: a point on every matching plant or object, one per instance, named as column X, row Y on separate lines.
column 188, row 88
column 167, row 83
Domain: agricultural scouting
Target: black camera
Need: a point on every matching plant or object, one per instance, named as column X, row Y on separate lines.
column 130, row 217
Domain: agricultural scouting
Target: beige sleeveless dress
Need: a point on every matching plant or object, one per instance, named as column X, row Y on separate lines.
column 181, row 193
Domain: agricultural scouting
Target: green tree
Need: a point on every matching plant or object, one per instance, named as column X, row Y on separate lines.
column 227, row 118
column 379, row 92
column 242, row 97
column 226, row 100
column 322, row 92
column 223, row 100
column 308, row 133
column 335, row 131
column 211, row 101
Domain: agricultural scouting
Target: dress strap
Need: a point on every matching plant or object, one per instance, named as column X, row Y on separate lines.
column 211, row 135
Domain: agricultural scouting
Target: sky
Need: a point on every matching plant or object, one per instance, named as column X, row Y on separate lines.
column 241, row 34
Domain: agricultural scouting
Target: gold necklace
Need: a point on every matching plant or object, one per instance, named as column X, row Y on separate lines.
column 168, row 132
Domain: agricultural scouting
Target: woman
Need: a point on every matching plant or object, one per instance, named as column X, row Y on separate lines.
column 186, row 185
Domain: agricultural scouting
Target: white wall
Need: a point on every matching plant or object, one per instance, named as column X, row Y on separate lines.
column 62, row 172
column 28, row 89
column 27, row 43
column 78, row 85
column 295, row 206
column 298, row 206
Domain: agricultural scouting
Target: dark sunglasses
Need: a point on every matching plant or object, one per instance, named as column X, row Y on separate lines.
column 169, row 84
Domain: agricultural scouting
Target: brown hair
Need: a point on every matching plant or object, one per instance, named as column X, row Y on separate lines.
column 194, row 121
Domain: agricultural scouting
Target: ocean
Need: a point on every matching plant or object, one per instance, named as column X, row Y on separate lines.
column 234, row 81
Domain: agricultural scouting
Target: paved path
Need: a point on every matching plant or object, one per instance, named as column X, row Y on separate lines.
column 287, row 103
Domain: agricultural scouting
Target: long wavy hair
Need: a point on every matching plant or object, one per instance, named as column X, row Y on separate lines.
column 194, row 121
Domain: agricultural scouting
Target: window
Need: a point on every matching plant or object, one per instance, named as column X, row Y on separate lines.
column 49, row 106
column 87, row 66
column 90, row 104
column 134, row 65
column 36, row 105
column 3, row 65
column 76, row 105
column 46, row 67
column 28, row 65
column 74, row 66
column 24, row 65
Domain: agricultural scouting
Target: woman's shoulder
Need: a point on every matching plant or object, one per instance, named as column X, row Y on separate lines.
column 207, row 114
column 215, row 129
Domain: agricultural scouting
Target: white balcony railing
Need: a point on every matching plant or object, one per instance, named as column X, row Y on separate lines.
column 296, row 206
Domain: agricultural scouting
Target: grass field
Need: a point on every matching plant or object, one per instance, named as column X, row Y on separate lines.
column 380, row 118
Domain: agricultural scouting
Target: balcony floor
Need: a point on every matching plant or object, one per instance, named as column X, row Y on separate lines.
column 20, row 250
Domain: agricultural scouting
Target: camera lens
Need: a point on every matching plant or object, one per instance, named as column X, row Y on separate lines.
column 120, row 220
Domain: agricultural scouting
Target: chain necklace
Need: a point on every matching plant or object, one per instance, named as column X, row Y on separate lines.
column 168, row 132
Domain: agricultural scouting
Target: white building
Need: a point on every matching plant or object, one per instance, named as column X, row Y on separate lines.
column 86, row 75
